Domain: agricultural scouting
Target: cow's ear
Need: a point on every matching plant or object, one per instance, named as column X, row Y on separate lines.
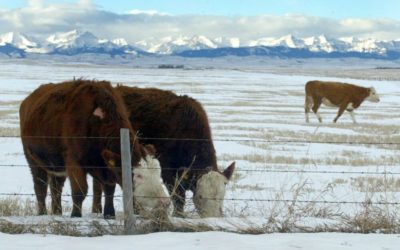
column 99, row 113
column 228, row 172
column 110, row 158
column 147, row 149
column 151, row 150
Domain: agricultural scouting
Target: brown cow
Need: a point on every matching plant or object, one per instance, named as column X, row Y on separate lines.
column 188, row 155
column 72, row 129
column 335, row 94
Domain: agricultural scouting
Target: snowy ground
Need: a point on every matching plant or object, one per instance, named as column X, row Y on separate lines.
column 260, row 112
column 206, row 240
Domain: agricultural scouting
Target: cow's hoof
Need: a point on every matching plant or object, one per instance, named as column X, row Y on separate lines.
column 76, row 214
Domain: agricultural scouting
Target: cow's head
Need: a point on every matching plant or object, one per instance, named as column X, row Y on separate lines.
column 149, row 190
column 210, row 192
column 373, row 96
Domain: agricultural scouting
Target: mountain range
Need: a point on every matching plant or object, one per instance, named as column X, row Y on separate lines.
column 75, row 42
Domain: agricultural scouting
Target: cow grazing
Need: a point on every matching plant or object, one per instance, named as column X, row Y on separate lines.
column 187, row 157
column 334, row 94
column 72, row 129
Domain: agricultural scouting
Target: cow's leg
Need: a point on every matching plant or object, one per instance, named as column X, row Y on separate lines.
column 109, row 212
column 56, row 186
column 307, row 107
column 40, row 183
column 97, row 191
column 342, row 108
column 350, row 108
column 317, row 103
column 40, row 179
column 79, row 186
column 352, row 115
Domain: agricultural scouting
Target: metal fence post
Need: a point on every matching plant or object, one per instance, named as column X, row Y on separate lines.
column 129, row 221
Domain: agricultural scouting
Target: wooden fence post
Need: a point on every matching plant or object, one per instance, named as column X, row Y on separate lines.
column 129, row 221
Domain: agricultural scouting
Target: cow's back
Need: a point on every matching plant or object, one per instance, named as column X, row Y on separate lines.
column 174, row 120
column 335, row 92
column 57, row 119
column 39, row 104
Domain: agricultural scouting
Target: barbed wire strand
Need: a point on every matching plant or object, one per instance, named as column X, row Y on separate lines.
column 236, row 170
column 215, row 139
column 241, row 199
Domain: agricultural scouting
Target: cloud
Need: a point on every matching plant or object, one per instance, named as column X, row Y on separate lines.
column 40, row 18
column 148, row 12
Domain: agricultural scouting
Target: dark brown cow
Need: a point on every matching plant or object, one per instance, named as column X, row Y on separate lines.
column 160, row 114
column 335, row 94
column 72, row 129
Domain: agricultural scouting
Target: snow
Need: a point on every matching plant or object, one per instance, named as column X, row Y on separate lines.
column 120, row 42
column 246, row 104
column 206, row 240
column 20, row 41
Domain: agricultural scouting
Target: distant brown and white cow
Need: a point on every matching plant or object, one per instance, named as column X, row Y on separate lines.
column 345, row 96
column 71, row 129
column 187, row 154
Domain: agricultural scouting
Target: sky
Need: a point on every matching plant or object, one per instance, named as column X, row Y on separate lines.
column 246, row 19
column 325, row 8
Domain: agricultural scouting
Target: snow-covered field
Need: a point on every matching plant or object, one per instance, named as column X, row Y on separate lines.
column 206, row 240
column 288, row 177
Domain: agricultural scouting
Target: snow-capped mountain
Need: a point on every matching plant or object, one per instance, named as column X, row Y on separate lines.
column 286, row 41
column 65, row 43
column 73, row 39
column 317, row 44
column 120, row 42
column 82, row 42
column 323, row 43
column 169, row 45
column 20, row 41
column 76, row 42
column 368, row 45
column 233, row 42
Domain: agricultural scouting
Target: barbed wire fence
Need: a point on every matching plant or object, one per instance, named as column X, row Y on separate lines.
column 242, row 169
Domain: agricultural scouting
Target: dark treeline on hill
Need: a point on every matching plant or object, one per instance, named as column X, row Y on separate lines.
column 283, row 52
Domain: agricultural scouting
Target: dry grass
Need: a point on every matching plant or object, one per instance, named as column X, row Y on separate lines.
column 376, row 184
column 7, row 131
column 12, row 206
column 5, row 113
column 372, row 218
column 331, row 161
column 300, row 136
column 71, row 228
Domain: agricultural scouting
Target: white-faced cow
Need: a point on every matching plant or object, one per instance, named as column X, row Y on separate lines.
column 187, row 154
column 335, row 94
column 71, row 129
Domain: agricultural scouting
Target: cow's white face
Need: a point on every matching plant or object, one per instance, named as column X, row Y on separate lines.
column 210, row 192
column 149, row 190
column 373, row 96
